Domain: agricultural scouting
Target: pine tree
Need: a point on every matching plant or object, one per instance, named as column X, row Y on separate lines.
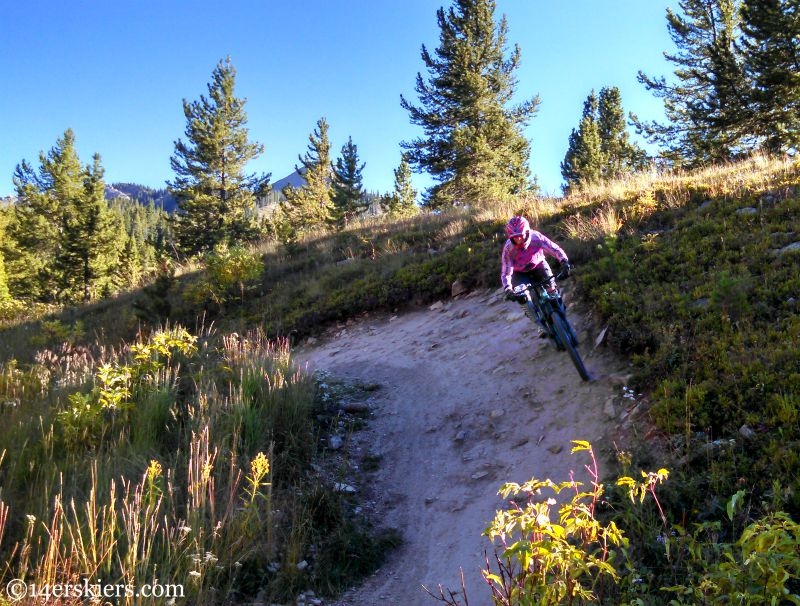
column 87, row 254
column 145, row 233
column 154, row 306
column 473, row 144
column 310, row 206
column 5, row 295
column 772, row 61
column 708, row 106
column 216, row 199
column 620, row 155
column 601, row 148
column 583, row 162
column 402, row 202
column 130, row 267
column 62, row 232
column 348, row 190
column 35, row 224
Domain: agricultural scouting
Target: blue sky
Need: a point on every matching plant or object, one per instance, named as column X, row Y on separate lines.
column 116, row 72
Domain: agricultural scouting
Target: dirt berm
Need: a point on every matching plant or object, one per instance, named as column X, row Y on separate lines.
column 469, row 398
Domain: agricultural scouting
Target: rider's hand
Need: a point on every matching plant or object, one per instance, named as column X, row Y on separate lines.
column 517, row 297
column 567, row 268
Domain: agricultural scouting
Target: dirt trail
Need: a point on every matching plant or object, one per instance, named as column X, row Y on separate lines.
column 470, row 398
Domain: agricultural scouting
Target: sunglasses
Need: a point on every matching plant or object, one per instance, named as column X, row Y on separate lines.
column 517, row 239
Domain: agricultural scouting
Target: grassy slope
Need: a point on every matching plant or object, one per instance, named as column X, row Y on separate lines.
column 691, row 286
column 695, row 289
column 683, row 268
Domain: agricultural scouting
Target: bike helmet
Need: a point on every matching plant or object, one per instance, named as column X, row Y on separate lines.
column 518, row 226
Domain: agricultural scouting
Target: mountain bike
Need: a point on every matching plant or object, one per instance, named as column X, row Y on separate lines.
column 547, row 311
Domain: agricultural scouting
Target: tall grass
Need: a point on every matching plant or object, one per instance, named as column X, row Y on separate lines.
column 735, row 179
column 170, row 470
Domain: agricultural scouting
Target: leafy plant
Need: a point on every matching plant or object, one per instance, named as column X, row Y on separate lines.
column 573, row 559
column 230, row 270
column 91, row 418
column 761, row 567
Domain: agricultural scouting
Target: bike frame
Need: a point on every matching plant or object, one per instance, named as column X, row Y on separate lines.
column 544, row 304
column 548, row 308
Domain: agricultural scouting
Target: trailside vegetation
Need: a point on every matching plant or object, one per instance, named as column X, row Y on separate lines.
column 182, row 458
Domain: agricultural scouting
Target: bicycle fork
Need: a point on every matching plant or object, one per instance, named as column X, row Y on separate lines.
column 546, row 307
column 535, row 312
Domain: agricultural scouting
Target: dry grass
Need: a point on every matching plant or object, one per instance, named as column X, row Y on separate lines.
column 605, row 221
column 601, row 210
column 190, row 511
column 755, row 174
column 535, row 208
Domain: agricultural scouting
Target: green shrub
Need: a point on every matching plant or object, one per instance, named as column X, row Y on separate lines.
column 702, row 301
column 761, row 567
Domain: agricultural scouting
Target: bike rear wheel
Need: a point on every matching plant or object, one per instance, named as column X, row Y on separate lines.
column 564, row 332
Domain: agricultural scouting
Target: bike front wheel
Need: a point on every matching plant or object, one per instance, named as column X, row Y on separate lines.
column 563, row 333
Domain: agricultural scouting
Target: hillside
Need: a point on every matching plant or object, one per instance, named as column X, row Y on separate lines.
column 139, row 193
column 685, row 293
column 160, row 198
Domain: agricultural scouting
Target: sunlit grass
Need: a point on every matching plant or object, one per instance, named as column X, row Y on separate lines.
column 189, row 514
column 737, row 179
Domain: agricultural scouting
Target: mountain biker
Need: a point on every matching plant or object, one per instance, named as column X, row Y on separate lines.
column 523, row 258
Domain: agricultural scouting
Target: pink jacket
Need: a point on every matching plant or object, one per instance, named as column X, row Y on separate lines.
column 530, row 256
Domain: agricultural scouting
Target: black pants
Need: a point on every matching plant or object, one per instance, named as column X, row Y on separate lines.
column 534, row 276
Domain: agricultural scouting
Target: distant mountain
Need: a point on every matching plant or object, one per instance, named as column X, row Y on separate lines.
column 142, row 194
column 138, row 193
column 270, row 201
column 162, row 198
column 296, row 179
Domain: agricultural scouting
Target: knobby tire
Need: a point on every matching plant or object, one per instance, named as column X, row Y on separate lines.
column 563, row 335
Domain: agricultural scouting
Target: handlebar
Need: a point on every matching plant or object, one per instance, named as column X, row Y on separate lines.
column 521, row 288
